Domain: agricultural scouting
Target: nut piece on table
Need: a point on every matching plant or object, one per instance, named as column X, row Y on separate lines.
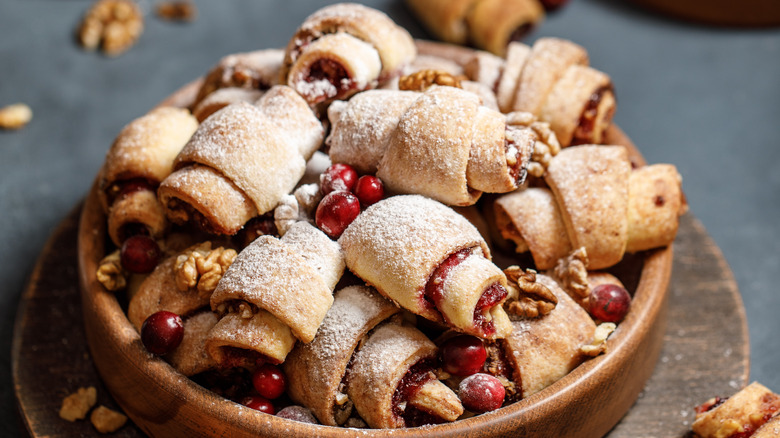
column 113, row 25
column 106, row 420
column 76, row 405
column 15, row 116
column 177, row 10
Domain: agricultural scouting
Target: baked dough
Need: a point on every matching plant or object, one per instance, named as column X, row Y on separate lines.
column 595, row 201
column 742, row 413
column 553, row 81
column 342, row 49
column 486, row 24
column 257, row 70
column 429, row 260
column 441, row 143
column 142, row 155
column 241, row 161
column 276, row 291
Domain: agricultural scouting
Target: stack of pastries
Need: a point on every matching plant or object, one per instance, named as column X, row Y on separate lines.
column 375, row 301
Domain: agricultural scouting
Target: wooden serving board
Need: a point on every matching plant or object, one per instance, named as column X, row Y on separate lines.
column 705, row 353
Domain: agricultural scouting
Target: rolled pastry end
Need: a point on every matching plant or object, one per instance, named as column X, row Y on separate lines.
column 468, row 290
column 655, row 204
column 222, row 98
column 246, row 339
column 493, row 24
column 136, row 212
column 334, row 66
column 201, row 195
column 580, row 106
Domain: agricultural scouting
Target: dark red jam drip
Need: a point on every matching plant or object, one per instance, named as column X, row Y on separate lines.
column 519, row 170
column 491, row 297
column 584, row 132
column 418, row 375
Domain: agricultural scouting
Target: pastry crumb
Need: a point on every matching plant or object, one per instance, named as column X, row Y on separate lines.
column 599, row 343
column 107, row 420
column 15, row 116
column 75, row 406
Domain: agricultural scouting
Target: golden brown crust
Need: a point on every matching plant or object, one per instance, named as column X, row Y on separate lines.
column 748, row 408
column 590, row 184
column 139, row 207
column 257, row 70
column 145, row 149
column 444, row 18
column 654, row 207
column 315, row 371
column 542, row 350
column 223, row 97
column 493, row 24
column 393, row 44
column 190, row 357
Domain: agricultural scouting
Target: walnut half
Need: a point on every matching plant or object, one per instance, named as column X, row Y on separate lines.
column 113, row 25
column 529, row 298
column 572, row 272
column 110, row 272
column 423, row 79
column 202, row 267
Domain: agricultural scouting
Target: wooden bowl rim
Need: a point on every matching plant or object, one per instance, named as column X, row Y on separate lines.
column 102, row 308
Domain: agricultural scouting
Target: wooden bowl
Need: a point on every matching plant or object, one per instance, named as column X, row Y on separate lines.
column 587, row 402
column 743, row 13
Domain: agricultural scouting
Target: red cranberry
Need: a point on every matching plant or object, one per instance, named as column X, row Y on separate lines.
column 551, row 5
column 463, row 355
column 297, row 413
column 259, row 403
column 336, row 211
column 481, row 393
column 139, row 254
column 338, row 177
column 609, row 302
column 269, row 381
column 162, row 332
column 369, row 190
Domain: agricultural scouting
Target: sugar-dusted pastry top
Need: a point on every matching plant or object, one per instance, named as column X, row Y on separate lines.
column 330, row 276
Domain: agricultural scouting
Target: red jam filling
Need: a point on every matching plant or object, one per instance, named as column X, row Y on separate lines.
column 584, row 132
column 518, row 169
column 490, row 297
column 333, row 72
column 418, row 375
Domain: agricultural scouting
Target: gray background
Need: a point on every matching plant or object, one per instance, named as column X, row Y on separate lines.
column 705, row 99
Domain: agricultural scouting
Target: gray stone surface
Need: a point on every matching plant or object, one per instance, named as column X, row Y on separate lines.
column 705, row 99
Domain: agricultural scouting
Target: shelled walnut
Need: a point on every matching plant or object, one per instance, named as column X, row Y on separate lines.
column 111, row 25
column 202, row 267
column 423, row 79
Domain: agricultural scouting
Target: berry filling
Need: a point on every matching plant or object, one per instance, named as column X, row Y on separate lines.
column 584, row 132
column 419, row 374
column 234, row 357
column 332, row 75
column 120, row 189
column 493, row 295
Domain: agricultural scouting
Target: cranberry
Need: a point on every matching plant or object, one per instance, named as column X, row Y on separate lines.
column 369, row 190
column 269, row 381
column 481, row 393
column 463, row 355
column 338, row 177
column 259, row 403
column 139, row 254
column 551, row 5
column 609, row 302
column 336, row 211
column 297, row 413
column 162, row 332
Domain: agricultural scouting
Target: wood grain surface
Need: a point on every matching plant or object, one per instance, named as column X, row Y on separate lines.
column 705, row 350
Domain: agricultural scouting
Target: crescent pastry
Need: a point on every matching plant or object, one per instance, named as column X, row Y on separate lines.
column 471, row 150
column 241, row 161
column 316, row 371
column 392, row 383
column 431, row 261
column 597, row 202
column 258, row 70
column 486, row 24
column 276, row 291
column 190, row 357
column 223, row 97
column 738, row 415
column 139, row 159
column 342, row 49
column 542, row 350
